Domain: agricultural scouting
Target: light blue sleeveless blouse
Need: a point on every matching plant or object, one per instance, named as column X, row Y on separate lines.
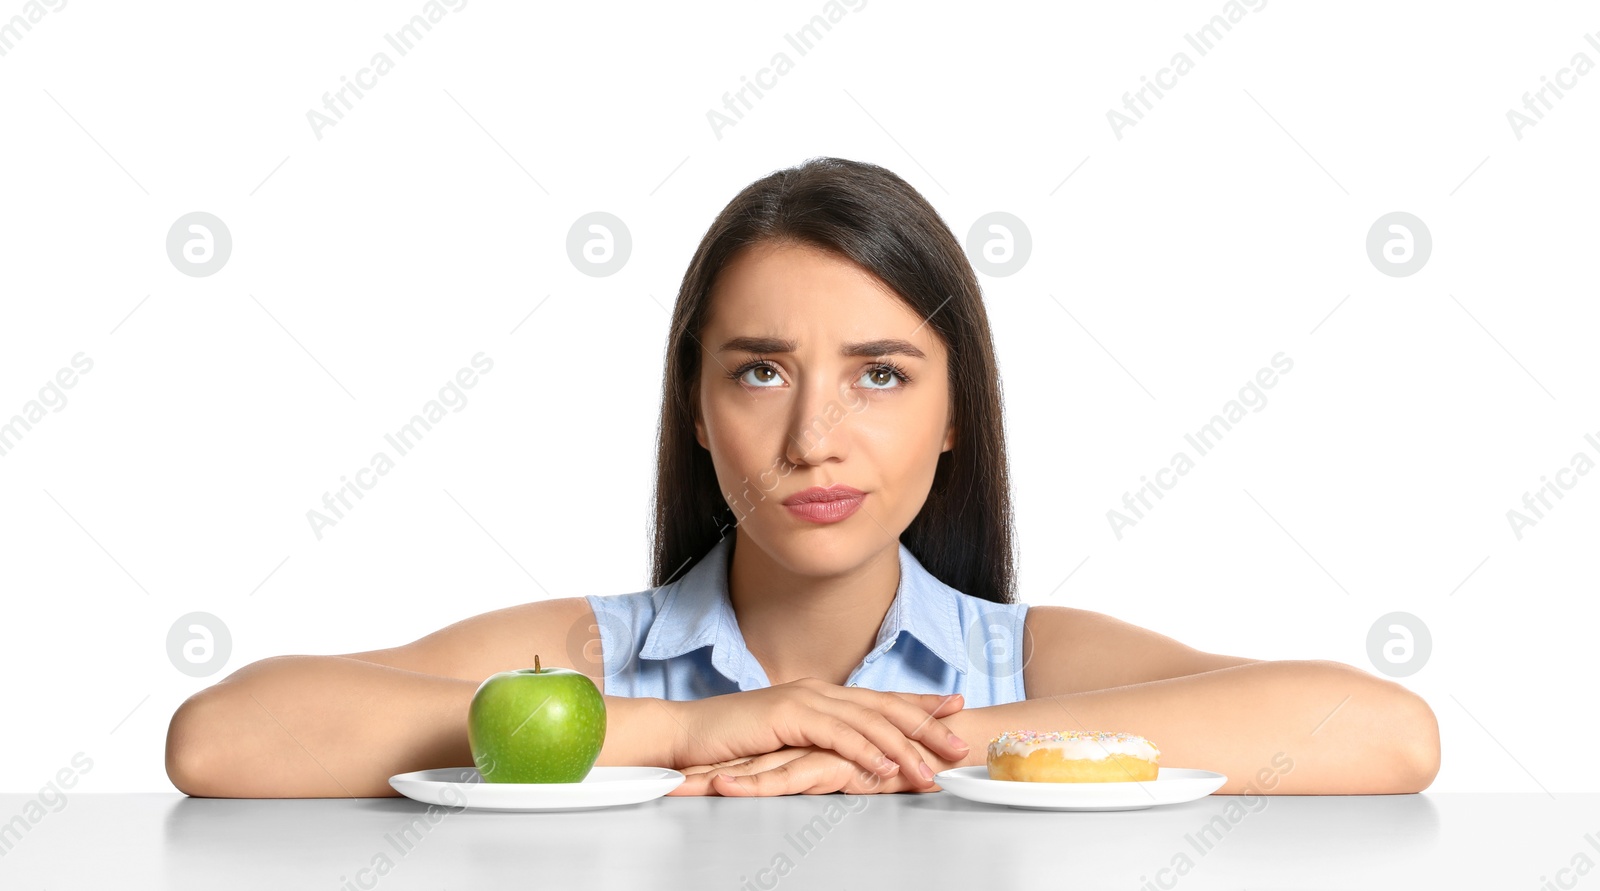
column 681, row 641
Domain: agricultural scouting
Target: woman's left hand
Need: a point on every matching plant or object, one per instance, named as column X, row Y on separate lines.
column 794, row 770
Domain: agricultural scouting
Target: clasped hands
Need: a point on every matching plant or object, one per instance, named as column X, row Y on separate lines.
column 813, row 737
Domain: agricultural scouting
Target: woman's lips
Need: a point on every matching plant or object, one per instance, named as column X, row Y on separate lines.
column 831, row 511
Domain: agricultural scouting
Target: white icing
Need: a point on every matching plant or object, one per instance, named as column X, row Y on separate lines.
column 1091, row 748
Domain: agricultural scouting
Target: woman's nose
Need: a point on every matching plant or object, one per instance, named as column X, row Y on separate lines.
column 818, row 426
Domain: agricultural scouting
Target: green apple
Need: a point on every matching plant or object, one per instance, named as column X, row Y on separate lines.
column 536, row 725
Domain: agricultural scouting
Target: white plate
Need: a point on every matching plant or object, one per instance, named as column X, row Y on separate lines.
column 1172, row 785
column 603, row 787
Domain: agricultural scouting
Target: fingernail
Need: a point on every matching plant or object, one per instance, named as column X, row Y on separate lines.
column 925, row 770
column 957, row 741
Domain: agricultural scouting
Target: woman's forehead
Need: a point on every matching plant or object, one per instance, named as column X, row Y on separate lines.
column 809, row 296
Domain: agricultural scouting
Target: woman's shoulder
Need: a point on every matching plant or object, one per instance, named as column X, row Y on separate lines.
column 647, row 602
column 982, row 638
column 970, row 607
column 988, row 618
column 957, row 622
column 987, row 624
column 974, row 603
column 672, row 611
column 622, row 621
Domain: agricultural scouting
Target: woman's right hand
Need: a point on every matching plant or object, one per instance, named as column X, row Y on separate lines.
column 872, row 728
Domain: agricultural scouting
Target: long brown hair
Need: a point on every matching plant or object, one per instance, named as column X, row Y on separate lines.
column 867, row 214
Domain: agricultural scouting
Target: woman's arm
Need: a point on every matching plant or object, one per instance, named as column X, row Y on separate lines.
column 1285, row 728
column 335, row 726
column 1306, row 728
column 1302, row 727
column 327, row 726
column 1067, row 650
column 330, row 726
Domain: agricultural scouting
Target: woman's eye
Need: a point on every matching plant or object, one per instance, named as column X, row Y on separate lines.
column 761, row 376
column 878, row 377
column 881, row 377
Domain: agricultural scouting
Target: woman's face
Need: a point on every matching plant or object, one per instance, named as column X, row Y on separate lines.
column 818, row 403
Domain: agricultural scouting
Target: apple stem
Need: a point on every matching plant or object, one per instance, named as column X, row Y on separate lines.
column 536, row 663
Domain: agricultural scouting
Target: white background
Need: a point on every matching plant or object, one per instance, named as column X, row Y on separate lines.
column 371, row 264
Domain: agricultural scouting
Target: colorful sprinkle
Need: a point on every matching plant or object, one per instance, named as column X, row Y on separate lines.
column 1050, row 736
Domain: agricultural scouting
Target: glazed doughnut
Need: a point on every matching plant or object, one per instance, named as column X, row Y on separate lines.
column 1072, row 756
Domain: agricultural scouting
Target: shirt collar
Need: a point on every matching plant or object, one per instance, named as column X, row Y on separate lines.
column 696, row 612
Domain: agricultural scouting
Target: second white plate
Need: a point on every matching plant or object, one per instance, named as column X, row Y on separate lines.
column 603, row 787
column 1172, row 785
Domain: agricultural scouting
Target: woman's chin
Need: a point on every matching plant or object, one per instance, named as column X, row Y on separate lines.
column 821, row 551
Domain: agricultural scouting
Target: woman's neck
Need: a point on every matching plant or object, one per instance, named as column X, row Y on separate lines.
column 809, row 626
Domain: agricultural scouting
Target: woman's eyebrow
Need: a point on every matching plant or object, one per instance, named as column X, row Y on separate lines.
column 888, row 346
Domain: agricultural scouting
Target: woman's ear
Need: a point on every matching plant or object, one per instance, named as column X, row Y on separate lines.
column 949, row 437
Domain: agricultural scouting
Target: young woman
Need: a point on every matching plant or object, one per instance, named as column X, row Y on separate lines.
column 833, row 603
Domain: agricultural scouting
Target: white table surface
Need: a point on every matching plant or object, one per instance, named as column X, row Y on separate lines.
column 907, row 840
